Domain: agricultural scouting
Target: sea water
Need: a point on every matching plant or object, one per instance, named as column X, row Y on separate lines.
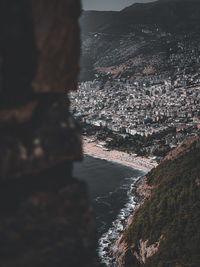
column 109, row 187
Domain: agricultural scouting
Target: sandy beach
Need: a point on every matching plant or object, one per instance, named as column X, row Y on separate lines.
column 94, row 149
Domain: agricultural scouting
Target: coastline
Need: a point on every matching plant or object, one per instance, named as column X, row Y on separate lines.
column 107, row 249
column 112, row 246
column 94, row 149
column 109, row 243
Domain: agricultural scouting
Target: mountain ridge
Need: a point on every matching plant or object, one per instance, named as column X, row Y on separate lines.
column 114, row 40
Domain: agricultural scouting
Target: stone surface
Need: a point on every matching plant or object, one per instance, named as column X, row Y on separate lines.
column 32, row 141
column 49, row 228
column 18, row 53
column 45, row 215
column 58, row 44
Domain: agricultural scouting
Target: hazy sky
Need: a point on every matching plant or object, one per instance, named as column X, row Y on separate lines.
column 110, row 4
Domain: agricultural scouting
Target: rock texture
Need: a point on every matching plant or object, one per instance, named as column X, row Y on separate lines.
column 45, row 216
column 58, row 44
column 146, row 251
column 126, row 255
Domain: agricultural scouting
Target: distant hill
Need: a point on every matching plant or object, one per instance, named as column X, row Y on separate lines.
column 113, row 41
column 172, row 14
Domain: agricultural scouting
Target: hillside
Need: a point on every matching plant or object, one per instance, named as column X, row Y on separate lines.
column 165, row 229
column 140, row 40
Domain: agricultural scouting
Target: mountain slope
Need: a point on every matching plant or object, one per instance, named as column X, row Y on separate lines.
column 139, row 39
column 165, row 229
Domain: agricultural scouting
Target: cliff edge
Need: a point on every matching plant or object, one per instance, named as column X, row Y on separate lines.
column 164, row 230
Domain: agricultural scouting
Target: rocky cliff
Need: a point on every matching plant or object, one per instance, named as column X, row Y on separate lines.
column 164, row 228
column 45, row 215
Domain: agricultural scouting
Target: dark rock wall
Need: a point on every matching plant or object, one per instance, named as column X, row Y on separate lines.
column 17, row 52
column 45, row 216
column 58, row 44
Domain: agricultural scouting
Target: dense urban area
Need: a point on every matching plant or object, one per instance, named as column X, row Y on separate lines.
column 145, row 108
column 151, row 111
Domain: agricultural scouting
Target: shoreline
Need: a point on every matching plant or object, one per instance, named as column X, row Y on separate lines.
column 94, row 149
column 108, row 240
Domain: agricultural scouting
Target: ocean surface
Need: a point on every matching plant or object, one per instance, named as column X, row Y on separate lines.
column 109, row 187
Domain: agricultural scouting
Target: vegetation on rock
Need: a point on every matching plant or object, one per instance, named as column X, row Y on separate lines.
column 172, row 211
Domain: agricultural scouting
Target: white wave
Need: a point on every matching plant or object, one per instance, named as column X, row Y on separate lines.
column 118, row 226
